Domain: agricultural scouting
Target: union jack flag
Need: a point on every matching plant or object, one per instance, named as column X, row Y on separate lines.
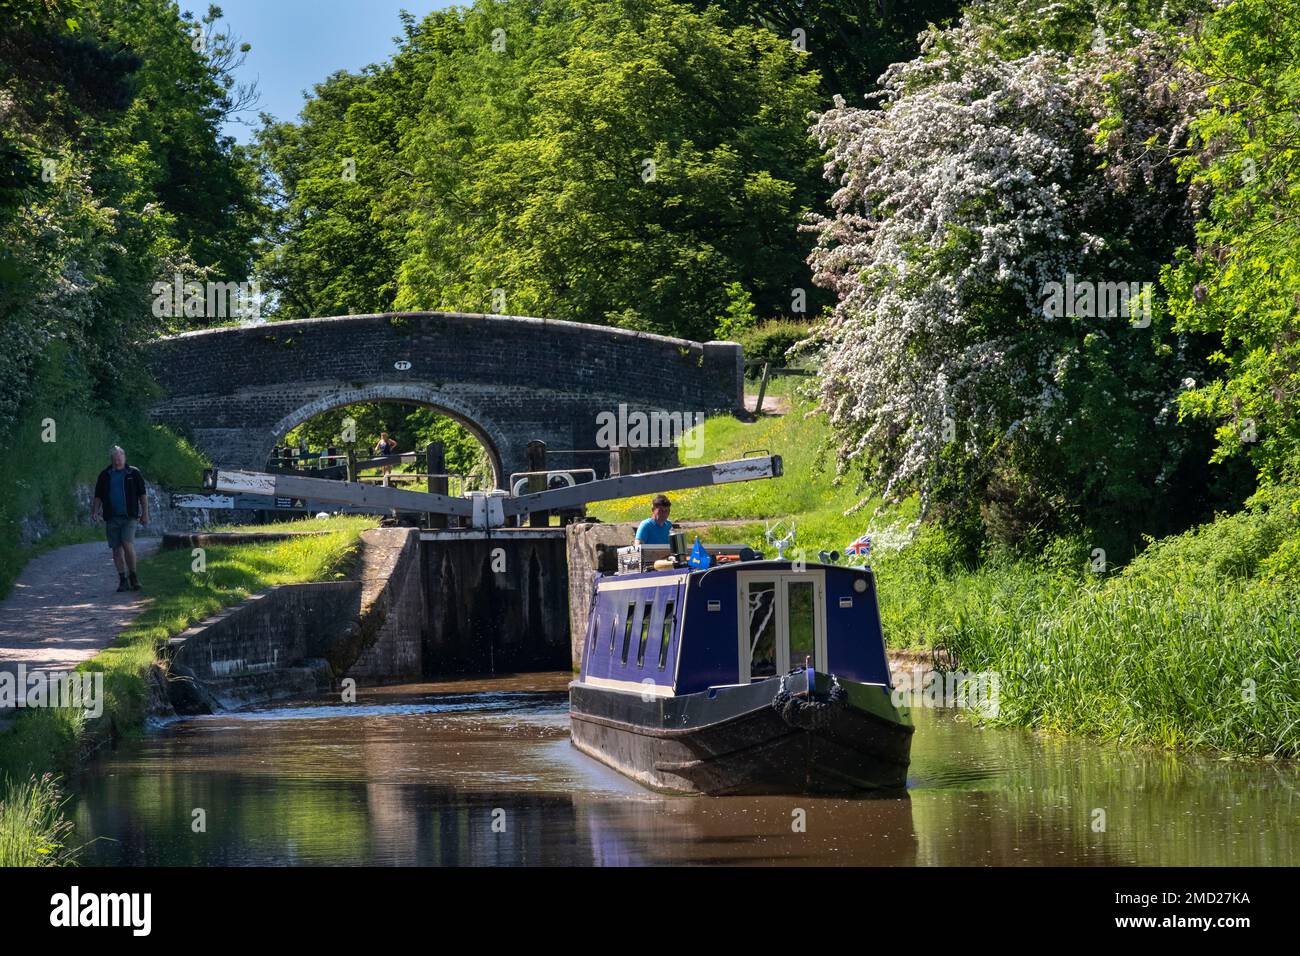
column 861, row 546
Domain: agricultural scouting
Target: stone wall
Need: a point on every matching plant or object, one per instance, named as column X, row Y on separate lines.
column 510, row 379
column 163, row 518
column 301, row 639
column 272, row 645
column 593, row 548
column 392, row 593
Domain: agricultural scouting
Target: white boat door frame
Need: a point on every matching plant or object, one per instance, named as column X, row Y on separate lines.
column 780, row 607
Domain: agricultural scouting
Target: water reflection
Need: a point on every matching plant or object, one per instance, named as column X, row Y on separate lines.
column 483, row 774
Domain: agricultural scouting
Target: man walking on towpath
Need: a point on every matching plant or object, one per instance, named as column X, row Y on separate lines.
column 121, row 500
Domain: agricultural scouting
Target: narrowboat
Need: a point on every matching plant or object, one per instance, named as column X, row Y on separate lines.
column 746, row 676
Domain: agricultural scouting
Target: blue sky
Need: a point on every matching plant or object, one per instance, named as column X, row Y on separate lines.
column 297, row 43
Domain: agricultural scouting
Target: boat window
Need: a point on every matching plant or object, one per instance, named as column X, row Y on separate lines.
column 627, row 630
column 667, row 635
column 645, row 633
column 801, row 615
column 613, row 629
column 761, row 608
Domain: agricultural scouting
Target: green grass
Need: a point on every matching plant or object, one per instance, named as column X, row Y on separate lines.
column 356, row 523
column 33, row 830
column 42, row 476
column 1178, row 664
column 1195, row 644
column 50, row 740
column 807, row 494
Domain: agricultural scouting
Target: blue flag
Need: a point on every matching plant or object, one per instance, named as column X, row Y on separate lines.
column 699, row 557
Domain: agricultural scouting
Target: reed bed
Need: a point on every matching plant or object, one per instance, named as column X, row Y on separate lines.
column 33, row 830
column 1195, row 644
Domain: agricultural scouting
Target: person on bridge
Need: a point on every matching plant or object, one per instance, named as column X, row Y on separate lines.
column 121, row 499
column 657, row 528
column 385, row 446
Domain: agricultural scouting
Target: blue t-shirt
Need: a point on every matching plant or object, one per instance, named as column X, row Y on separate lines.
column 651, row 533
column 117, row 490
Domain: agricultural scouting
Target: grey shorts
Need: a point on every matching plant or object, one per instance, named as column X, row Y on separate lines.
column 120, row 531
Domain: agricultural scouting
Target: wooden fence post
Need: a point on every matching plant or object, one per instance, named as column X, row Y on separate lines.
column 536, row 483
column 435, row 463
column 762, row 389
column 620, row 461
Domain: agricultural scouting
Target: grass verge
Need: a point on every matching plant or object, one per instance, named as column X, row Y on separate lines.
column 33, row 829
column 1194, row 644
column 828, row 512
column 51, row 741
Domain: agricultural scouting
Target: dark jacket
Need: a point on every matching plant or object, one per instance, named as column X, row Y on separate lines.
column 134, row 488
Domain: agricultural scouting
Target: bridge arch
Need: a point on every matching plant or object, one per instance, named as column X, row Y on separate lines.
column 235, row 391
column 391, row 392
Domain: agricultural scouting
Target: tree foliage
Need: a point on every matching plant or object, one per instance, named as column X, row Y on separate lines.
column 112, row 175
column 981, row 179
column 850, row 42
column 1240, row 280
column 592, row 160
column 412, row 427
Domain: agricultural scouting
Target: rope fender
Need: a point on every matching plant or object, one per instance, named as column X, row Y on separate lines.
column 811, row 712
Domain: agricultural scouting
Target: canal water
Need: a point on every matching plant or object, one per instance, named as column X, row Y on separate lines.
column 482, row 772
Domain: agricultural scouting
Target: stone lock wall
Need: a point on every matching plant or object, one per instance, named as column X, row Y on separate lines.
column 392, row 585
column 510, row 379
column 300, row 639
column 497, row 602
column 272, row 645
column 593, row 548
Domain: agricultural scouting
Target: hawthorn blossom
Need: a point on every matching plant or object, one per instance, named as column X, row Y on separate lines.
column 975, row 182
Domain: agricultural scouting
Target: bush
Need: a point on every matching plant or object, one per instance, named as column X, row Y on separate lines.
column 770, row 341
column 1262, row 541
column 943, row 549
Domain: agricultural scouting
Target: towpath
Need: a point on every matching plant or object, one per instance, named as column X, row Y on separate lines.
column 65, row 608
column 772, row 404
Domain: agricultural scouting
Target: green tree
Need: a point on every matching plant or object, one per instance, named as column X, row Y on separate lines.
column 590, row 160
column 411, row 426
column 1240, row 280
column 985, row 182
column 850, row 42
column 112, row 175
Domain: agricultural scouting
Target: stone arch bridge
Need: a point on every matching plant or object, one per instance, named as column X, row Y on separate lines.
column 235, row 392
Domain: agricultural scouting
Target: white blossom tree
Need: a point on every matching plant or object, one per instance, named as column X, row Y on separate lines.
column 977, row 182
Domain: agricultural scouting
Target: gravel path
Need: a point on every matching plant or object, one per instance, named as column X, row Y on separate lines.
column 65, row 608
column 772, row 404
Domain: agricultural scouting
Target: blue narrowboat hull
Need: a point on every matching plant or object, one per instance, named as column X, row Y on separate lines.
column 771, row 736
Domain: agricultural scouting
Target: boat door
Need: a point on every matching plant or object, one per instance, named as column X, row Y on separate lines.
column 782, row 622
